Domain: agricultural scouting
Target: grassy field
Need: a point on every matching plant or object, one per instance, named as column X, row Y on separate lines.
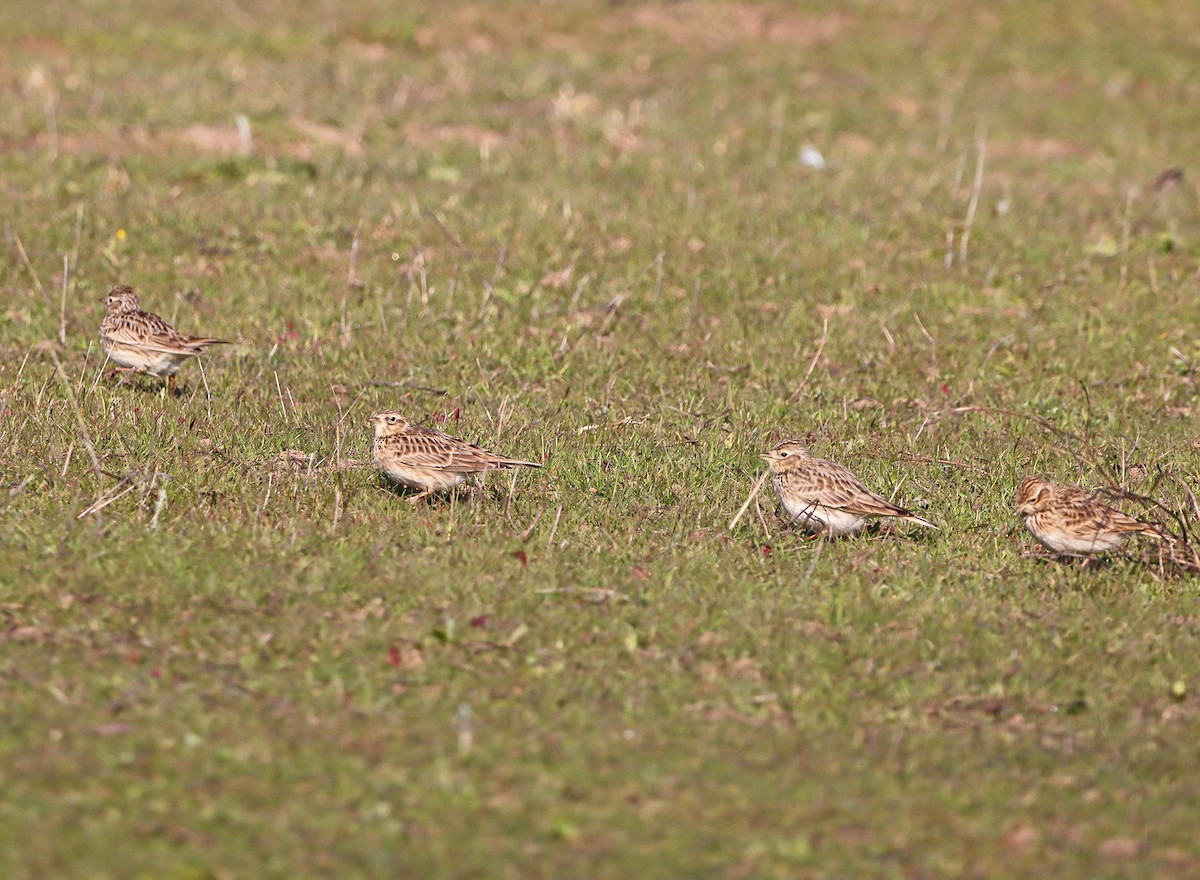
column 589, row 234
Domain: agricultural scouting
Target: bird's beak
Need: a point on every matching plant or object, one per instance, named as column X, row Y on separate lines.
column 766, row 456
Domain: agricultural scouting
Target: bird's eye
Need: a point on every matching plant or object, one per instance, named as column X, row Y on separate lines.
column 392, row 419
column 783, row 455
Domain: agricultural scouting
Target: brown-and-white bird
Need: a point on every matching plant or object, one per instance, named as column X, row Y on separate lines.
column 142, row 342
column 429, row 460
column 824, row 497
column 1071, row 520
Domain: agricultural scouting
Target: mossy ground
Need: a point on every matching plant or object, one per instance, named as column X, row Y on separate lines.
column 582, row 232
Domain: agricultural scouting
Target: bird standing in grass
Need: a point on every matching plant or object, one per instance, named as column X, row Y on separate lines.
column 1073, row 521
column 824, row 497
column 142, row 342
column 429, row 460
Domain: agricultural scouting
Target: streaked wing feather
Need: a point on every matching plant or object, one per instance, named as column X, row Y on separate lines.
column 429, row 447
column 837, row 487
column 148, row 331
column 1083, row 511
column 1115, row 520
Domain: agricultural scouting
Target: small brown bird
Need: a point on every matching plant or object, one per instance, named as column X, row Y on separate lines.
column 427, row 459
column 142, row 342
column 824, row 497
column 1071, row 520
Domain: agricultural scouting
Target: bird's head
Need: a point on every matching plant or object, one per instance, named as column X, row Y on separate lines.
column 387, row 422
column 121, row 299
column 785, row 452
column 1033, row 496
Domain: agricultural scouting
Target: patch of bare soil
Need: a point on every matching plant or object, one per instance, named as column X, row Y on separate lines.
column 712, row 25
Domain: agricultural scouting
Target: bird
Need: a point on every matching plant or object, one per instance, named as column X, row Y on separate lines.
column 825, row 497
column 1072, row 521
column 426, row 459
column 142, row 342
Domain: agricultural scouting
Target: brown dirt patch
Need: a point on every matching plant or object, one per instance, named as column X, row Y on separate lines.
column 711, row 25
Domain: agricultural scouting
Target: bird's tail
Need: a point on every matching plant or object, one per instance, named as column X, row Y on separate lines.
column 515, row 462
column 1152, row 531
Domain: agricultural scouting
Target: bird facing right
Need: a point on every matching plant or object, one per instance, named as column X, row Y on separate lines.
column 427, row 459
column 825, row 497
column 1073, row 521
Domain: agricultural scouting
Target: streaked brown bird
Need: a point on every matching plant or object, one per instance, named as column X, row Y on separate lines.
column 1071, row 520
column 824, row 497
column 429, row 460
column 142, row 342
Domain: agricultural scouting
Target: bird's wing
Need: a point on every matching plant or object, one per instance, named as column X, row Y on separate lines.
column 147, row 331
column 428, row 447
column 836, row 487
column 1108, row 519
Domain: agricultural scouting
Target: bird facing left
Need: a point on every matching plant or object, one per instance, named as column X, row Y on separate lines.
column 429, row 460
column 142, row 342
column 824, row 497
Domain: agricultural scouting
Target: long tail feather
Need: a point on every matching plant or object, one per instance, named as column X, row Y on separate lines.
column 516, row 462
column 1154, row 532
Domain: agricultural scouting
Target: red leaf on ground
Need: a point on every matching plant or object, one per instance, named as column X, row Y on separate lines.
column 520, row 556
column 766, row 549
column 480, row 622
column 394, row 657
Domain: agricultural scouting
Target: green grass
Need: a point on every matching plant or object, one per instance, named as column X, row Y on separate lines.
column 242, row 668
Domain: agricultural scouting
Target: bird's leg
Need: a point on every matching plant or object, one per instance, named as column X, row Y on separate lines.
column 414, row 499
